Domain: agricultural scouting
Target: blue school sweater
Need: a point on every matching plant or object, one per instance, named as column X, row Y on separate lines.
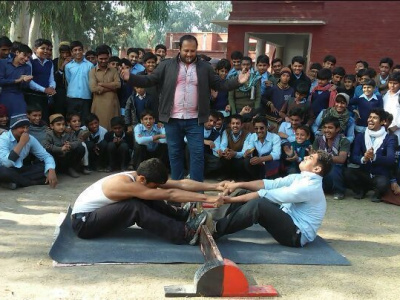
column 364, row 107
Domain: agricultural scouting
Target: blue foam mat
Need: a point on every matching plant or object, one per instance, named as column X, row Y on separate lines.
column 134, row 245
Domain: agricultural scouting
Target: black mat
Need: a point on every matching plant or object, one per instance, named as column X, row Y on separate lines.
column 134, row 245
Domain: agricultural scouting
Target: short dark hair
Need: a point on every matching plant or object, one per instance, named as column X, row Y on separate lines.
column 296, row 111
column 117, row 121
column 379, row 112
column 263, row 59
column 330, row 58
column 90, row 52
column 149, row 55
column 102, row 50
column 351, row 77
column 324, row 160
column 24, row 49
column 237, row 117
column 153, row 170
column 394, row 77
column 130, row 50
column 316, row 66
column 396, row 67
column 76, row 44
column 104, row 46
column 261, row 119
column 324, row 74
column 275, row 60
column 142, row 50
column 15, row 46
column 160, row 46
column 213, row 113
column 303, row 88
column 187, row 37
column 305, row 128
column 298, row 59
column 339, row 71
column 331, row 119
column 126, row 62
column 236, row 55
column 386, row 60
column 71, row 114
column 64, row 48
column 33, row 107
column 365, row 64
column 40, row 42
column 90, row 118
column 248, row 58
column 115, row 58
column 220, row 115
column 5, row 41
column 389, row 117
column 147, row 112
column 370, row 82
column 223, row 64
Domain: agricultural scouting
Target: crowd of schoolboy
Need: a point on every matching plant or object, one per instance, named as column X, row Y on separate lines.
column 263, row 129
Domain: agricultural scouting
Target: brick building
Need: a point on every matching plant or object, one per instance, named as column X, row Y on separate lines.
column 350, row 30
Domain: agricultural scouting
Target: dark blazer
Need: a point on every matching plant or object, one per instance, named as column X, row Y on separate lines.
column 385, row 156
column 165, row 76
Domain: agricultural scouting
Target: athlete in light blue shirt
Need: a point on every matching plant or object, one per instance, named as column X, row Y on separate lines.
column 291, row 209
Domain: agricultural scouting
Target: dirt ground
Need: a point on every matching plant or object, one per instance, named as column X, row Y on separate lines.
column 367, row 233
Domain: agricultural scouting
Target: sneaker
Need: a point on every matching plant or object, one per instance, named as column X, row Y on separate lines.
column 193, row 227
column 9, row 185
column 185, row 212
column 71, row 172
column 338, row 196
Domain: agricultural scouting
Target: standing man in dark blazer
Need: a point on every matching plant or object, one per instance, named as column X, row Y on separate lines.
column 185, row 84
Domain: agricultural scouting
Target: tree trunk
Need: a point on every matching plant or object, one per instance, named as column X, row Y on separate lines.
column 34, row 29
column 55, row 39
column 19, row 30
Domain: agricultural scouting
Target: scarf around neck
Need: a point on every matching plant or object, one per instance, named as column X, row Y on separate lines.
column 323, row 145
column 253, row 79
column 378, row 135
column 300, row 149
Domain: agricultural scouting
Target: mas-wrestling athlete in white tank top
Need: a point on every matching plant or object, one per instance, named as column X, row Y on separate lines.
column 93, row 197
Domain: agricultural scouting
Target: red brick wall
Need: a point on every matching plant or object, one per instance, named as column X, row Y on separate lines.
column 354, row 30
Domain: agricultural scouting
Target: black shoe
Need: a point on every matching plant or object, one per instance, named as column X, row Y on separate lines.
column 360, row 195
column 86, row 171
column 376, row 199
column 108, row 170
column 9, row 185
column 338, row 196
column 71, row 172
column 193, row 227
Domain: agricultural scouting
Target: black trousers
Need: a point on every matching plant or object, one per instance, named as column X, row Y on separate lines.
column 260, row 211
column 234, row 167
column 71, row 159
column 141, row 154
column 25, row 176
column 360, row 181
column 79, row 105
column 118, row 155
column 157, row 217
column 97, row 159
